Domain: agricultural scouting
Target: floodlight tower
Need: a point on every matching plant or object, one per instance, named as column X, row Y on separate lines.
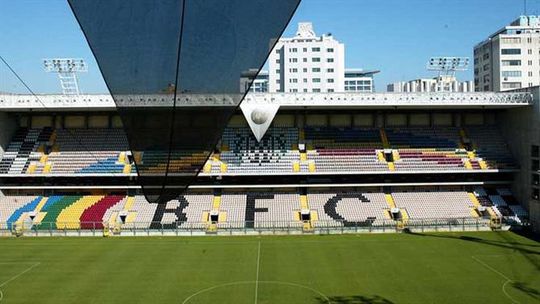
column 67, row 69
column 447, row 67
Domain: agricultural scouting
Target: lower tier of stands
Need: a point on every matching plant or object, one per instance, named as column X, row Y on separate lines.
column 256, row 210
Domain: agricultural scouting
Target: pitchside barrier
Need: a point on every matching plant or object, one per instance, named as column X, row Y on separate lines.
column 26, row 228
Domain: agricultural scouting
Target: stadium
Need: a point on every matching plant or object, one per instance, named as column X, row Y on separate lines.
column 319, row 197
column 351, row 162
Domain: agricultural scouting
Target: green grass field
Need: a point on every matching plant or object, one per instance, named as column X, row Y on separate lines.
column 486, row 267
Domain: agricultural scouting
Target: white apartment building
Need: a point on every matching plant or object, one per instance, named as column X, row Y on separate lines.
column 437, row 84
column 307, row 63
column 510, row 58
column 358, row 80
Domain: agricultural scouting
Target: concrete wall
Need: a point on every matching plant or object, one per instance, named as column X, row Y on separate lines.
column 8, row 126
column 521, row 128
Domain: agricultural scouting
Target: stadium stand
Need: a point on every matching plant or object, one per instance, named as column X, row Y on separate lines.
column 260, row 210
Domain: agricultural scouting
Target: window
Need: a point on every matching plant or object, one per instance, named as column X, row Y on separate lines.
column 511, row 73
column 294, row 70
column 316, row 90
column 305, row 90
column 294, row 60
column 486, row 56
column 294, row 90
column 511, row 52
column 305, row 70
column 293, row 80
column 316, row 70
column 330, row 70
column 305, row 50
column 535, row 165
column 511, row 40
column 511, row 85
column 535, row 151
column 305, row 80
column 511, row 62
column 278, row 71
column 486, row 67
column 330, row 90
column 316, row 59
column 330, row 60
column 330, row 80
column 330, row 50
column 316, row 80
column 294, row 50
column 278, row 61
column 305, row 60
column 315, row 49
column 277, row 81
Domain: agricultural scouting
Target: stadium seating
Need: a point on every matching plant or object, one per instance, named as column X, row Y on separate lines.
column 490, row 147
column 62, row 151
column 273, row 154
column 261, row 210
column 344, row 149
column 95, row 215
column 235, row 206
column 427, row 149
column 433, row 205
column 12, row 207
column 328, row 149
column 353, row 207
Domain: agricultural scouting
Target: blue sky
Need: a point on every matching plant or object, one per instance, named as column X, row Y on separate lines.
column 394, row 36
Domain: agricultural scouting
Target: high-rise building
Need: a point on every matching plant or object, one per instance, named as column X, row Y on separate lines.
column 510, row 58
column 307, row 63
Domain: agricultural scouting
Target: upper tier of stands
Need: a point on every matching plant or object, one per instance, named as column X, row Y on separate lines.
column 255, row 209
column 282, row 150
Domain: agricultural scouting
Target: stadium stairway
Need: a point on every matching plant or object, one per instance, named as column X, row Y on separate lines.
column 128, row 209
column 475, row 211
column 404, row 216
column 304, row 206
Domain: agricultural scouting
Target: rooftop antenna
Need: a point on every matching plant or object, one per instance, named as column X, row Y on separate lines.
column 447, row 67
column 67, row 69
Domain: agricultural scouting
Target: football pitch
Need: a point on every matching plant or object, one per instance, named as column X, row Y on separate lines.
column 484, row 267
